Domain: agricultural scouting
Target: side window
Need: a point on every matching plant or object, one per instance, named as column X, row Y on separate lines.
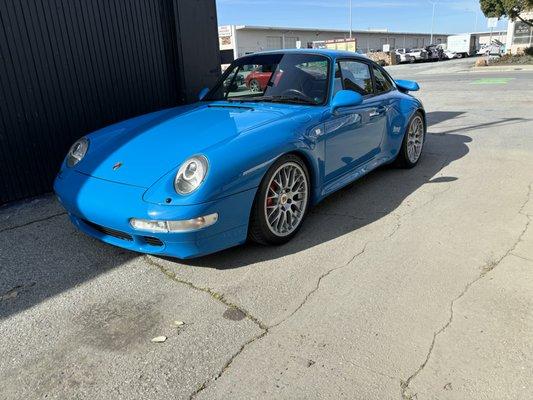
column 383, row 83
column 356, row 76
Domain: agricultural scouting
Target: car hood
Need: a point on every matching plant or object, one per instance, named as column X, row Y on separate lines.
column 140, row 152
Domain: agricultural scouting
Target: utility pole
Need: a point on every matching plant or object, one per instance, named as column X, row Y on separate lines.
column 350, row 1
column 434, row 3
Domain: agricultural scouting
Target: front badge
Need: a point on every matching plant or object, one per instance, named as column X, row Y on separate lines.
column 117, row 166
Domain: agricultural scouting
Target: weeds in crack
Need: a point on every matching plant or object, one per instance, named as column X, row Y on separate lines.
column 215, row 295
column 220, row 298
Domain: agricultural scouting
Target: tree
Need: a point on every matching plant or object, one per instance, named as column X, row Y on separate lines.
column 507, row 8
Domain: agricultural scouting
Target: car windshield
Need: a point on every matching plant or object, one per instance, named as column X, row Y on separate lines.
column 279, row 78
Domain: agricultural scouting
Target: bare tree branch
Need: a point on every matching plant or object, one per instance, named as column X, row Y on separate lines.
column 525, row 21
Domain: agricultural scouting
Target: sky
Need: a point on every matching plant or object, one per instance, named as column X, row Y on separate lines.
column 451, row 16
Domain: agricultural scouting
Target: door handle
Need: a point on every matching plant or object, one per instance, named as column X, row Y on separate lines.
column 378, row 111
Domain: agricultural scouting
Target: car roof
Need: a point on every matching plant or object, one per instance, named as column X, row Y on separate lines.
column 325, row 52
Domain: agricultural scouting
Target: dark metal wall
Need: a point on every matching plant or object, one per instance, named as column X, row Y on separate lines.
column 69, row 67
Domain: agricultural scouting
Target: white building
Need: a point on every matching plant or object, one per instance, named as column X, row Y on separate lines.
column 484, row 37
column 238, row 40
column 519, row 34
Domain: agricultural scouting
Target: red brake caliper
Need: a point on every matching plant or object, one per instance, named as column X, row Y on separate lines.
column 270, row 200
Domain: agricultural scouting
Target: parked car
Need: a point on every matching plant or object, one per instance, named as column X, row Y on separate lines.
column 239, row 165
column 434, row 53
column 450, row 54
column 419, row 54
column 257, row 80
column 404, row 57
column 494, row 49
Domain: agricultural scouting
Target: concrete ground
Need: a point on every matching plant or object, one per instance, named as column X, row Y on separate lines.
column 406, row 285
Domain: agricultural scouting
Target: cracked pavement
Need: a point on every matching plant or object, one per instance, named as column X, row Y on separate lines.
column 406, row 285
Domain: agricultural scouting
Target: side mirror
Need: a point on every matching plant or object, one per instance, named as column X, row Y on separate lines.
column 346, row 98
column 407, row 86
column 203, row 93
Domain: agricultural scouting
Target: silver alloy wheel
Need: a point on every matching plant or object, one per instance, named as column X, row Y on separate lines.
column 254, row 86
column 286, row 199
column 415, row 139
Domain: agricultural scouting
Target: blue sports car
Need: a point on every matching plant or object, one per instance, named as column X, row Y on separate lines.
column 242, row 163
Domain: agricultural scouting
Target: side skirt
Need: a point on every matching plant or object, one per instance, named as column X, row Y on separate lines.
column 354, row 175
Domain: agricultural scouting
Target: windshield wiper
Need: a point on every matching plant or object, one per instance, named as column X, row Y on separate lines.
column 293, row 99
column 276, row 99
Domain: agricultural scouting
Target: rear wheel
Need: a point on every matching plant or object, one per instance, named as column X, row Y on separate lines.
column 413, row 142
column 255, row 86
column 281, row 202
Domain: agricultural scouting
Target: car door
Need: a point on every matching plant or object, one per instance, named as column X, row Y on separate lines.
column 354, row 135
column 385, row 101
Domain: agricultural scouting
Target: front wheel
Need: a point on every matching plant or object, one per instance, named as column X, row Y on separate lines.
column 413, row 142
column 281, row 202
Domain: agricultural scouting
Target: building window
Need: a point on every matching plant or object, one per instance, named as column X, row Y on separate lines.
column 273, row 43
column 290, row 42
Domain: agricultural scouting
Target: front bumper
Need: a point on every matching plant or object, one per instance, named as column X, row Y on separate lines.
column 102, row 209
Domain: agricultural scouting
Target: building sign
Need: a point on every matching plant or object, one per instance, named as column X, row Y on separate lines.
column 225, row 40
column 224, row 31
column 492, row 23
column 522, row 33
column 341, row 44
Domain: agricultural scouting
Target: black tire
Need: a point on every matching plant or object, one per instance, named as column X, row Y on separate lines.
column 403, row 160
column 259, row 230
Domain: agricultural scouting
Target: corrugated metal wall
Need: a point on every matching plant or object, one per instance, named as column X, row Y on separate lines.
column 68, row 67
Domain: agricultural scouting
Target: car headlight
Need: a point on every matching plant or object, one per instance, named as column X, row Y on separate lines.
column 191, row 175
column 77, row 152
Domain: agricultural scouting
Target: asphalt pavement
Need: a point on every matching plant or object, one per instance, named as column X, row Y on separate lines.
column 408, row 284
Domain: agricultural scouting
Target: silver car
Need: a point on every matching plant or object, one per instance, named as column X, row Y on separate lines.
column 419, row 54
column 404, row 56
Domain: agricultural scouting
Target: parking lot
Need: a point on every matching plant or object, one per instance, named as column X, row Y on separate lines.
column 407, row 284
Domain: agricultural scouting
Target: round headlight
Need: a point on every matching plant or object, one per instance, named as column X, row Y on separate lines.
column 77, row 152
column 191, row 175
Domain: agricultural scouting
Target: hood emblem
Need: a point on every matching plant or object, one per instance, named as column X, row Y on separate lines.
column 117, row 166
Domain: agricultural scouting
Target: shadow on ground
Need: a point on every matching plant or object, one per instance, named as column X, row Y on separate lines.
column 353, row 207
column 45, row 258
